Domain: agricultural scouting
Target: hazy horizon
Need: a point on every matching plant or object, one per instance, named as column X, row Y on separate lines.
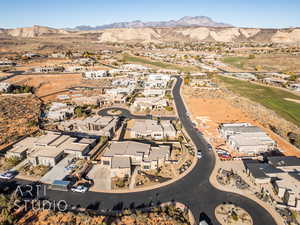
column 62, row 14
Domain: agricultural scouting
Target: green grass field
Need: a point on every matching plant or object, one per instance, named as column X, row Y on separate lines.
column 134, row 59
column 237, row 62
column 272, row 98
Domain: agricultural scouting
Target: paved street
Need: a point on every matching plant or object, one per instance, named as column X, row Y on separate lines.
column 193, row 190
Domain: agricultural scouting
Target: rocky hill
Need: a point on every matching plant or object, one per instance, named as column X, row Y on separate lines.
column 167, row 34
column 35, row 31
column 228, row 34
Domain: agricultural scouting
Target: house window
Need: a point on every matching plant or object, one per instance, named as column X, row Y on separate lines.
column 146, row 167
column 105, row 162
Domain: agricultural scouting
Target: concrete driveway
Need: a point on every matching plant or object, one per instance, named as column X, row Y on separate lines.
column 102, row 178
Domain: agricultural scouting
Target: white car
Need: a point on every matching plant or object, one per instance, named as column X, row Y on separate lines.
column 80, row 189
column 70, row 168
column 7, row 175
column 199, row 155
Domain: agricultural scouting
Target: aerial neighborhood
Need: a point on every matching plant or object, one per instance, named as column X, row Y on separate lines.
column 136, row 126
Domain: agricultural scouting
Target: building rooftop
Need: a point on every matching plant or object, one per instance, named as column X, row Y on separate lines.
column 262, row 170
column 242, row 129
column 87, row 141
column 290, row 182
column 146, row 126
column 46, row 151
column 280, row 161
column 120, row 162
column 159, row 152
column 47, row 139
column 131, row 148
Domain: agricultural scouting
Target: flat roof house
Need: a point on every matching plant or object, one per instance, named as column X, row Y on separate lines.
column 149, row 103
column 153, row 77
column 154, row 92
column 134, row 67
column 117, row 155
column 285, row 163
column 97, row 74
column 94, row 125
column 59, row 111
column 147, row 128
column 247, row 139
column 294, row 87
column 49, row 149
column 48, row 69
column 5, row 87
column 287, row 187
column 262, row 173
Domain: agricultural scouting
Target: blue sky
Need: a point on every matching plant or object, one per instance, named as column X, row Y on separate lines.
column 71, row 13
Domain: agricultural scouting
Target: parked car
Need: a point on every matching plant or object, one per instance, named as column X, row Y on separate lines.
column 199, row 155
column 70, row 167
column 203, row 222
column 79, row 188
column 209, row 147
column 8, row 175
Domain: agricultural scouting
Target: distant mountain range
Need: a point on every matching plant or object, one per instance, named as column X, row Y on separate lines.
column 187, row 21
column 199, row 28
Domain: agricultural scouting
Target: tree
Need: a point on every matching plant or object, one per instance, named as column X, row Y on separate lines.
column 251, row 56
column 293, row 78
column 258, row 68
column 69, row 54
column 187, row 79
column 86, row 54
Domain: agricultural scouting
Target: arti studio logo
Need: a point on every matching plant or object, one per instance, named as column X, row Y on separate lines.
column 33, row 197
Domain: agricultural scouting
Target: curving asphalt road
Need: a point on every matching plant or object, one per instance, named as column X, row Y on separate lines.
column 193, row 190
column 126, row 113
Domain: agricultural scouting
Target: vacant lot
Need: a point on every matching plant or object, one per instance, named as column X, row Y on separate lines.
column 283, row 63
column 18, row 117
column 48, row 84
column 209, row 112
column 272, row 98
column 134, row 59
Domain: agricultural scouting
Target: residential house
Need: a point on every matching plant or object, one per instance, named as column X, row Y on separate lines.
column 153, row 92
column 94, row 125
column 295, row 87
column 285, row 163
column 49, row 149
column 149, row 103
column 287, row 187
column 120, row 156
column 152, row 129
column 59, row 111
column 247, row 139
column 97, row 74
column 49, row 69
column 7, row 63
column 134, row 67
column 5, row 87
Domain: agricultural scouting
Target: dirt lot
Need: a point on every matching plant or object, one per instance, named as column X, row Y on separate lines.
column 18, row 116
column 48, row 84
column 209, row 113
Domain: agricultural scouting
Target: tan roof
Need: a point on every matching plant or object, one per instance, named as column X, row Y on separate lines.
column 18, row 149
column 159, row 152
column 130, row 148
column 46, row 151
column 47, row 139
column 120, row 162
